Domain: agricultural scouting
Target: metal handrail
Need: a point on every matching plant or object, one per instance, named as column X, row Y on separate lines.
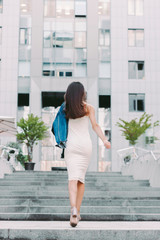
column 136, row 154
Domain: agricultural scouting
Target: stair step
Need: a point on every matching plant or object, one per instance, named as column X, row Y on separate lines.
column 88, row 194
column 88, row 188
column 84, row 209
column 86, row 202
column 85, row 230
column 85, row 216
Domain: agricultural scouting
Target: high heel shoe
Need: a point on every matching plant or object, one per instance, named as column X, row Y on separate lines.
column 73, row 217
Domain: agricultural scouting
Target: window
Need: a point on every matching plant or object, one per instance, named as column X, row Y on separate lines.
column 80, row 8
column 135, row 7
column 104, row 101
column 104, row 37
column 23, row 99
column 25, row 7
column 0, row 35
column 104, row 70
column 48, row 69
column 136, row 102
column 65, row 9
column 80, row 70
column 68, row 74
column 80, row 24
column 49, row 8
column 104, row 8
column 25, row 36
column 54, row 99
column 135, row 37
column 24, row 69
column 104, row 54
column 1, row 6
column 136, row 70
column 80, row 39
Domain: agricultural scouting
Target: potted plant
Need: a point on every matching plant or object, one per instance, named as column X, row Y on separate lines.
column 31, row 130
column 134, row 129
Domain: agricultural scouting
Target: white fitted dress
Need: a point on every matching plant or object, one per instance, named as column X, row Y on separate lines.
column 79, row 148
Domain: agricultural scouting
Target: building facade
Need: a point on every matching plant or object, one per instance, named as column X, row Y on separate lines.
column 111, row 46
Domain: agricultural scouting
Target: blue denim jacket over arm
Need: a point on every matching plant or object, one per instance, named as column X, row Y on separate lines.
column 60, row 127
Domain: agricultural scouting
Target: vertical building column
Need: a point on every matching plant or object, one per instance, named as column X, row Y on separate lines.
column 119, row 81
column 9, row 59
column 9, row 62
column 36, row 67
column 92, row 71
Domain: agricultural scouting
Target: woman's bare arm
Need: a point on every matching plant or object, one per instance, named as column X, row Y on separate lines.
column 96, row 127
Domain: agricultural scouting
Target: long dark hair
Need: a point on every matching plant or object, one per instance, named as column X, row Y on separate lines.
column 74, row 101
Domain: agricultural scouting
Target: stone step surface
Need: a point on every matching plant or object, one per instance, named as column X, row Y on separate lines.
column 88, row 194
column 61, row 183
column 88, row 188
column 86, row 202
column 108, row 197
column 84, row 209
column 61, row 230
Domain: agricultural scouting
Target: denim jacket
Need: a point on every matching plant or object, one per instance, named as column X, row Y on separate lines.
column 60, row 128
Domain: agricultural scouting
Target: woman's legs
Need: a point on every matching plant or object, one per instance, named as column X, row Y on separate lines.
column 80, row 193
column 76, row 192
column 72, row 186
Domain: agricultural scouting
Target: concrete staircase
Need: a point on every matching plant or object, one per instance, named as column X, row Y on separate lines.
column 110, row 198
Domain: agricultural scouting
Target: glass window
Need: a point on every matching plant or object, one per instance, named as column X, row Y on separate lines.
column 104, row 37
column 104, row 101
column 80, row 8
column 80, row 70
column 104, row 54
column 135, row 37
column 139, row 7
column 25, row 36
column 64, row 55
column 64, row 9
column 48, row 69
column 104, row 70
column 23, row 99
column 1, row 6
column 80, row 24
column 49, row 8
column 135, row 7
column 47, row 39
column 63, row 39
column 131, row 38
column 68, row 74
column 24, row 53
column 0, row 35
column 135, row 70
column 80, row 39
column 104, row 8
column 25, row 7
column 136, row 102
column 140, row 38
column 131, row 6
column 24, row 69
column 80, row 55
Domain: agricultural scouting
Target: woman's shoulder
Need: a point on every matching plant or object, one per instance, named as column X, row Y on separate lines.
column 89, row 107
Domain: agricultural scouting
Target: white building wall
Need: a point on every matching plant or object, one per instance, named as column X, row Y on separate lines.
column 121, row 86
